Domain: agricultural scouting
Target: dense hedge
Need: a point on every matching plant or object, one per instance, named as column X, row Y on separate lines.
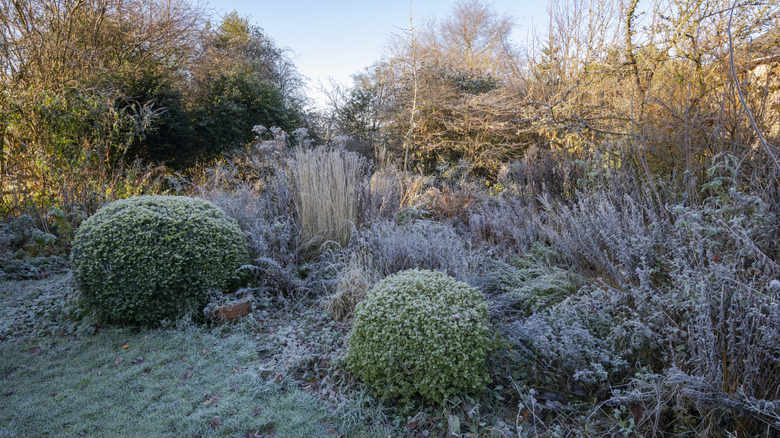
column 145, row 259
column 421, row 334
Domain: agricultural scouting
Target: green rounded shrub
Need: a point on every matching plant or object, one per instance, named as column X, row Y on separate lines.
column 145, row 259
column 421, row 334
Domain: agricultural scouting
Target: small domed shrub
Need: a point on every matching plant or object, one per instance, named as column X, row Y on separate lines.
column 421, row 334
column 145, row 259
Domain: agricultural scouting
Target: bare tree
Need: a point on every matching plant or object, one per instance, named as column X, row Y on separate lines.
column 50, row 42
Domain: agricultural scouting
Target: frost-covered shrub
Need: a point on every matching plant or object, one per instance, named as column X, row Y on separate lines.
column 421, row 334
column 504, row 226
column 388, row 248
column 149, row 258
column 254, row 188
column 609, row 236
column 567, row 342
column 27, row 252
column 525, row 285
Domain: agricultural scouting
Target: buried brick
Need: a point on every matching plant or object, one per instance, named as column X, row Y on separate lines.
column 230, row 312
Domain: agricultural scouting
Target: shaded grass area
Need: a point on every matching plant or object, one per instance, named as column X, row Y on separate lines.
column 129, row 382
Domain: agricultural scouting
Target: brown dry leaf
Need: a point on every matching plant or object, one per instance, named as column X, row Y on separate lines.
column 215, row 422
column 125, row 347
column 118, row 361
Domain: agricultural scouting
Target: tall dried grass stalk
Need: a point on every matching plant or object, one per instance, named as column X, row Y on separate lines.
column 331, row 192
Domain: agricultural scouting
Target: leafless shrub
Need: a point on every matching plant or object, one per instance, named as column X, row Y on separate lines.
column 504, row 227
column 542, row 172
column 445, row 196
column 393, row 191
column 453, row 192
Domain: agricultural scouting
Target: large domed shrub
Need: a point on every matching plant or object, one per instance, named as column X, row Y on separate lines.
column 149, row 258
column 421, row 334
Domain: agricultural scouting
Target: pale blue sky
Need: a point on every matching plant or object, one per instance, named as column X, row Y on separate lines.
column 337, row 38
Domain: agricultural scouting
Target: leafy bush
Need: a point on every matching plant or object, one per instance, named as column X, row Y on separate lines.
column 232, row 104
column 148, row 258
column 421, row 333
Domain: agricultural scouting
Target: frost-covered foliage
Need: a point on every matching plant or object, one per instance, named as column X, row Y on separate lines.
column 716, row 319
column 255, row 189
column 524, row 286
column 504, row 227
column 149, row 258
column 35, row 309
column 388, row 247
column 568, row 344
column 553, row 174
column 607, row 236
column 682, row 300
column 27, row 251
column 421, row 334
column 354, row 281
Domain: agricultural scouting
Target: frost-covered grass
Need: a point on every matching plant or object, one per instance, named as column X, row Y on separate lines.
column 170, row 382
column 131, row 382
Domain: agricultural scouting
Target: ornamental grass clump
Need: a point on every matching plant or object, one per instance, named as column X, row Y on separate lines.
column 421, row 335
column 146, row 259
